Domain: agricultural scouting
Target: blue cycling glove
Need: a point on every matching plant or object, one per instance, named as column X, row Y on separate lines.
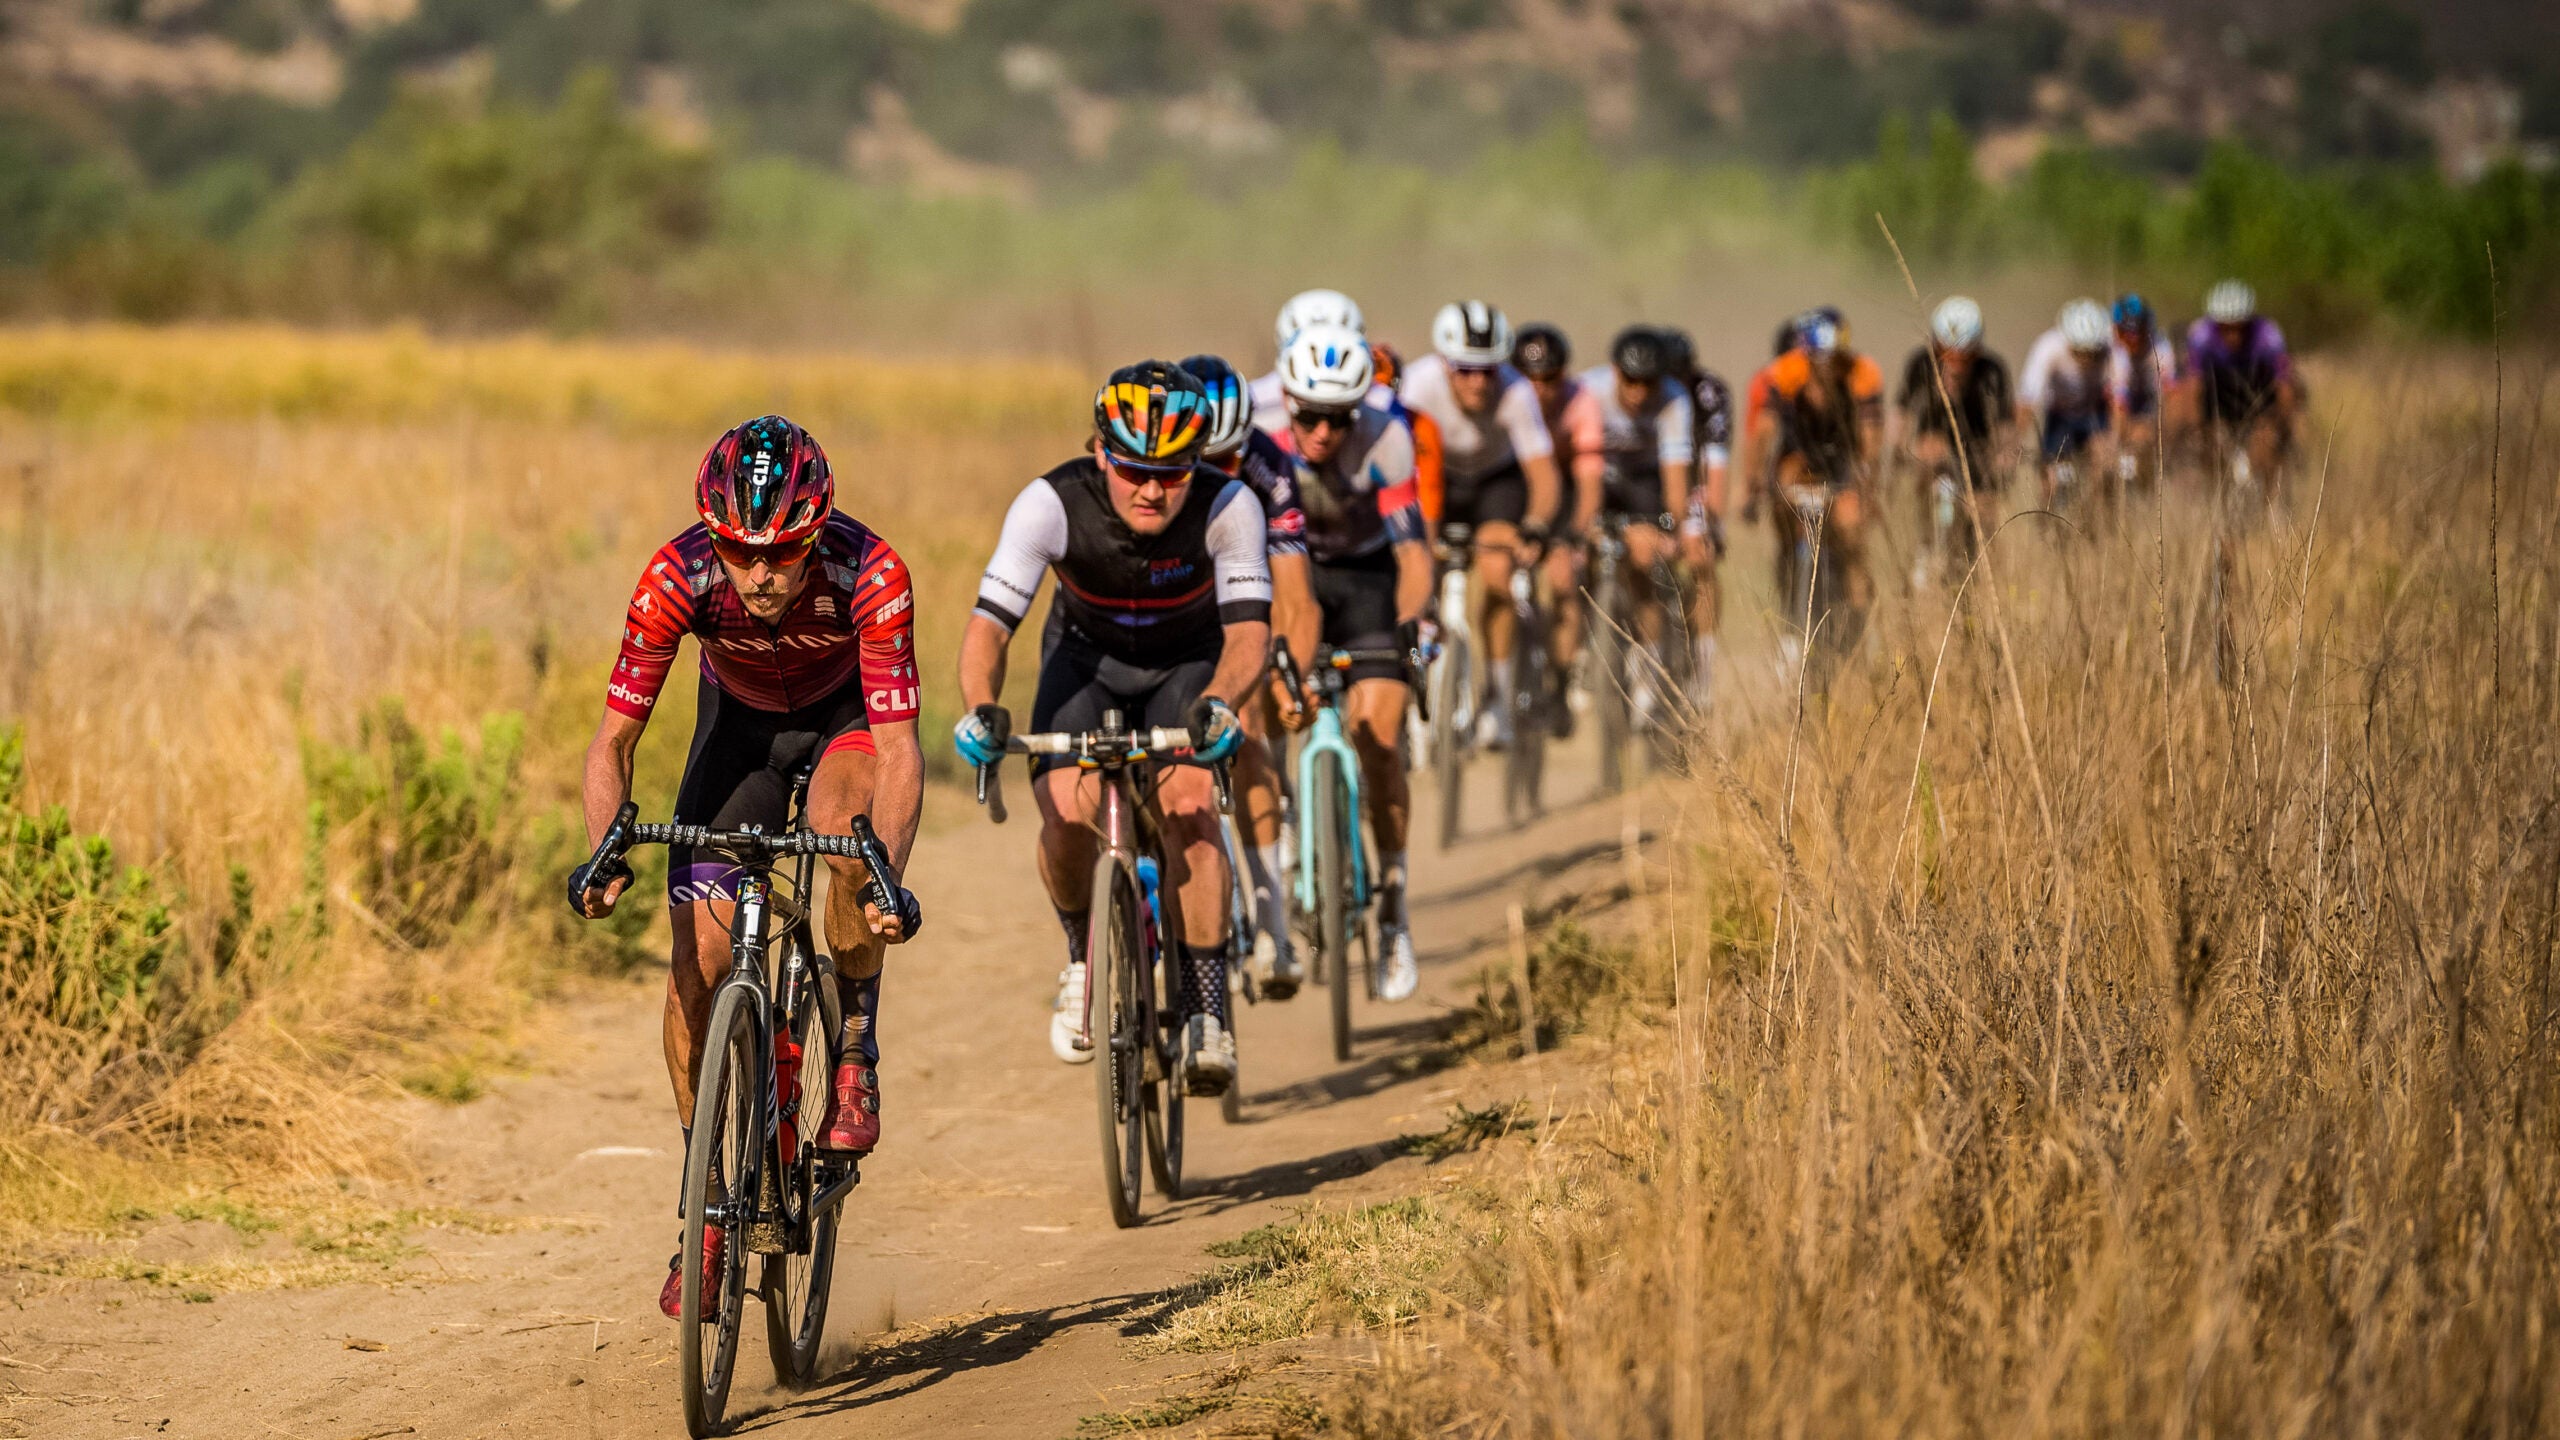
column 1215, row 730
column 981, row 734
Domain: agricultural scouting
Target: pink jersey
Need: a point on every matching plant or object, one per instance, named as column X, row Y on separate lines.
column 853, row 620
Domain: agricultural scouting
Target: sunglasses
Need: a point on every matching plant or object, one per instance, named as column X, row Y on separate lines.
column 1474, row 369
column 1138, row 475
column 776, row 557
column 1316, row 418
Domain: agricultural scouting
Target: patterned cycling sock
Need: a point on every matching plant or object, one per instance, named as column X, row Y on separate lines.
column 1076, row 923
column 1206, row 971
column 861, row 1038
column 1391, row 906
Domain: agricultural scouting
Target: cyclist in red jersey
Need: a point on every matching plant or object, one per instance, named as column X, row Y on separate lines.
column 806, row 623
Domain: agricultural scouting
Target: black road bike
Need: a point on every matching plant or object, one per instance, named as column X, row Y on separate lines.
column 762, row 1085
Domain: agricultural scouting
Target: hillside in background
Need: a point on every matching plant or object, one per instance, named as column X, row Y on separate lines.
column 464, row 159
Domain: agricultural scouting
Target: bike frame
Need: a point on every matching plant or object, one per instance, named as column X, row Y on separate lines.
column 1327, row 736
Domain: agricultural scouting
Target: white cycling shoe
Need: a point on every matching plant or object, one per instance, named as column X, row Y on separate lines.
column 1070, row 1039
column 1208, row 1056
column 1275, row 968
column 1399, row 974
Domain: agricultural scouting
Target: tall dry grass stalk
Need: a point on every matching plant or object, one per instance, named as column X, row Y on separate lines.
column 232, row 545
column 2218, row 1100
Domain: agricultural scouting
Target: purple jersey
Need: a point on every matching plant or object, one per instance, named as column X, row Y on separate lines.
column 2260, row 359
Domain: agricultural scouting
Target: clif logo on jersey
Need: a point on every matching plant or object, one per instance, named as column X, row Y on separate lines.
column 1172, row 571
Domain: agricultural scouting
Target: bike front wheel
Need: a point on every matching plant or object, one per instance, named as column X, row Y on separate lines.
column 1122, row 1034
column 798, row 1282
column 1326, row 811
column 720, row 1169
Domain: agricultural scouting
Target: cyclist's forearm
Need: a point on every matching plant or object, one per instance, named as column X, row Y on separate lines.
column 1248, row 646
column 1294, row 613
column 608, row 774
column 1413, row 580
column 1546, row 497
column 897, row 791
column 982, row 652
column 1716, row 485
column 1590, row 474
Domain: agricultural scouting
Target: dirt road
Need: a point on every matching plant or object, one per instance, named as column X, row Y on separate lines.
column 981, row 1288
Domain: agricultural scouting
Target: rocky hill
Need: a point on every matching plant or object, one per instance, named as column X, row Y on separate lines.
column 1010, row 94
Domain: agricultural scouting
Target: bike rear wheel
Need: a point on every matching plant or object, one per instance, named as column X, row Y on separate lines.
column 798, row 1282
column 1607, row 657
column 1121, row 1035
column 1449, row 716
column 1524, row 767
column 1333, row 894
column 720, row 1165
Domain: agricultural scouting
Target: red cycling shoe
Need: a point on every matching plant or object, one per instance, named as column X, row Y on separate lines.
column 856, row 1126
column 671, row 1296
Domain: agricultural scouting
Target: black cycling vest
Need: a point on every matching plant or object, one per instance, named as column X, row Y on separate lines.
column 1148, row 599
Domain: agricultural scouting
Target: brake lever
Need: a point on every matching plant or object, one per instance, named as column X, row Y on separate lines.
column 991, row 790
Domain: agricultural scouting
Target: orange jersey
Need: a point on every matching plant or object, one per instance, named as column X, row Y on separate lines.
column 1426, row 462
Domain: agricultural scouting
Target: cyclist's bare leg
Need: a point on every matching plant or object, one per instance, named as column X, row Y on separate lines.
column 1375, row 709
column 2267, row 439
column 839, row 789
column 1647, row 547
column 1564, row 596
column 1195, row 863
column 701, row 962
column 1069, row 801
column 1844, row 539
column 1495, row 621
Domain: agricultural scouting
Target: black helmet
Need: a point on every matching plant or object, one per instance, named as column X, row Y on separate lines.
column 1638, row 355
column 1541, row 352
column 1152, row 414
column 1679, row 353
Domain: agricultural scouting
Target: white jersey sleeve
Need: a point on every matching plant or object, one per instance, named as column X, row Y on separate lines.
column 1034, row 538
column 1520, row 418
column 1675, row 431
column 2044, row 365
column 1238, row 556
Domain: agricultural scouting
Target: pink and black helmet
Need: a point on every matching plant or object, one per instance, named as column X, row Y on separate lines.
column 765, row 483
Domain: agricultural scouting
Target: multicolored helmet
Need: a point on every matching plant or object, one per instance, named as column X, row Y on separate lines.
column 2133, row 313
column 1152, row 414
column 765, row 483
column 1822, row 331
column 1471, row 335
column 1230, row 404
column 1541, row 352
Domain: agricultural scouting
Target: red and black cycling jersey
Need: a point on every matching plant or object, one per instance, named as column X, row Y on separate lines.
column 853, row 619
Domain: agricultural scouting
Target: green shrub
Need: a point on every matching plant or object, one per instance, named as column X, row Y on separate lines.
column 429, row 829
column 83, row 939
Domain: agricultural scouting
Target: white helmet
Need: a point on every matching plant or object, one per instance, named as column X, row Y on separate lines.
column 1957, row 323
column 2231, row 303
column 1470, row 332
column 1327, row 365
column 1316, row 307
column 2084, row 325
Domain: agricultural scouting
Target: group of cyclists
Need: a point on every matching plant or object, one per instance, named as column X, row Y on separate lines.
column 1210, row 515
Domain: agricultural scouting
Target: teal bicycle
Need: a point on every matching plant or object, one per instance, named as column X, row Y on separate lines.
column 1334, row 883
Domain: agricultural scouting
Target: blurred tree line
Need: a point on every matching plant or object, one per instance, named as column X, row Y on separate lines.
column 537, row 175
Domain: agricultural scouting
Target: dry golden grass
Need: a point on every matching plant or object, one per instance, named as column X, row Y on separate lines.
column 2109, row 1051
column 221, row 546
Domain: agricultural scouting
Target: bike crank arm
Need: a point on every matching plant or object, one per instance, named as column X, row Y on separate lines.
column 833, row 1192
